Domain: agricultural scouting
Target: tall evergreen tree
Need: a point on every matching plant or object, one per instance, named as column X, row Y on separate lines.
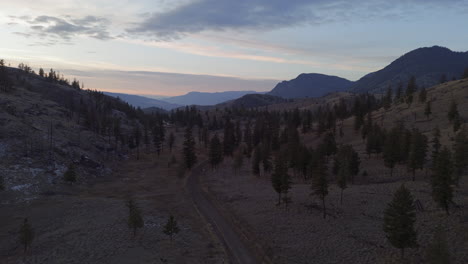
column 435, row 145
column 453, row 112
column 229, row 140
column 215, row 152
column 410, row 89
column 460, row 154
column 26, row 234
column 441, row 180
column 418, row 150
column 70, row 174
column 135, row 220
column 423, row 95
column 171, row 140
column 399, row 219
column 428, row 109
column 238, row 159
column 438, row 250
column 256, row 159
column 171, row 228
column 190, row 157
column 320, row 183
column 391, row 151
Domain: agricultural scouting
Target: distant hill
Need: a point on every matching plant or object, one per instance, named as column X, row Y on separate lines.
column 253, row 100
column 143, row 102
column 310, row 85
column 201, row 98
column 426, row 64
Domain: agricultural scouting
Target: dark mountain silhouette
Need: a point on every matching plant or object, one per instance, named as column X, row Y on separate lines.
column 310, row 85
column 201, row 98
column 253, row 100
column 428, row 65
column 143, row 102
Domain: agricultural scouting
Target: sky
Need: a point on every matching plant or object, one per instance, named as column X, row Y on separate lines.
column 171, row 47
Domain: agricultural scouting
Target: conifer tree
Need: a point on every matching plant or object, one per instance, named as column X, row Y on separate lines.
column 320, row 183
column 26, row 234
column 460, row 154
column 438, row 250
column 423, row 95
column 135, row 220
column 388, row 98
column 410, row 89
column 215, row 152
column 41, row 72
column 441, row 180
column 171, row 140
column 229, row 139
column 238, row 159
column 256, row 159
column 391, row 151
column 418, row 150
column 427, row 109
column 453, row 112
column 190, row 157
column 465, row 73
column 171, row 228
column 5, row 81
column 435, row 145
column 70, row 174
column 266, row 158
column 2, row 183
column 399, row 219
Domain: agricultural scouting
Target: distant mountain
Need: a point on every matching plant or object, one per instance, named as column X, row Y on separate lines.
column 426, row 64
column 310, row 85
column 143, row 102
column 201, row 98
column 253, row 100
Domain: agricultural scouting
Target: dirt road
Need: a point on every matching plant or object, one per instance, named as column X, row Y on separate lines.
column 237, row 250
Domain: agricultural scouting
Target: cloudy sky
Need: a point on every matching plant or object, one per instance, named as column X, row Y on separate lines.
column 170, row 47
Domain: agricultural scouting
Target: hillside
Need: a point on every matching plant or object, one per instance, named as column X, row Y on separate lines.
column 428, row 65
column 310, row 85
column 143, row 102
column 204, row 99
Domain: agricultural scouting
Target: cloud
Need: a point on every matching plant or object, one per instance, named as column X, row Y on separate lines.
column 260, row 15
column 65, row 28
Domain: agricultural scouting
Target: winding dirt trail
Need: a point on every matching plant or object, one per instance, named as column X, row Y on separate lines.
column 237, row 250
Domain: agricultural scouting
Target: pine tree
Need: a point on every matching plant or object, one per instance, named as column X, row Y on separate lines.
column 70, row 174
column 238, row 159
column 435, row 145
column 171, row 140
column 438, row 250
column 276, row 178
column 441, row 180
column 215, row 152
column 410, row 89
column 135, row 220
column 460, row 154
column 2, row 183
column 399, row 219
column 391, row 151
column 26, row 234
column 5, row 81
column 41, row 72
column 190, row 158
column 388, row 98
column 320, row 183
column 423, row 95
column 418, row 150
column 256, row 159
column 229, row 139
column 171, row 228
column 427, row 109
column 443, row 78
column 453, row 112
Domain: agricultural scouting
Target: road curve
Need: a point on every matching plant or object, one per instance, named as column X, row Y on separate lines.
column 238, row 252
